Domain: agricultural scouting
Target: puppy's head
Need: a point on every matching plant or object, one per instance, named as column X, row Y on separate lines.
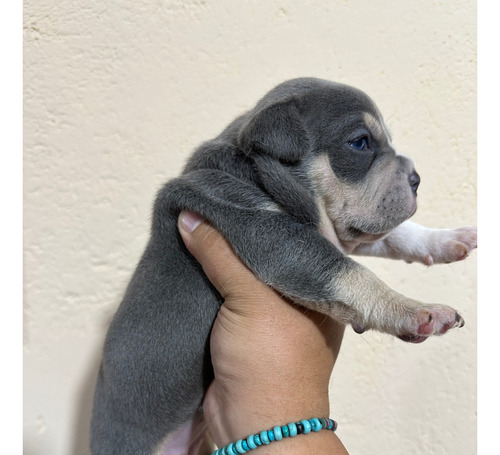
column 336, row 135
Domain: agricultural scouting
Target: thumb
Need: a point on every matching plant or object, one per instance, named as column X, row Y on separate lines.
column 220, row 264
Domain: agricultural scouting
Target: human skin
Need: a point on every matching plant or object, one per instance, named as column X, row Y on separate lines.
column 272, row 360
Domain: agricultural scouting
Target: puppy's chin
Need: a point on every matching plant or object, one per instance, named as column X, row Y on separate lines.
column 372, row 228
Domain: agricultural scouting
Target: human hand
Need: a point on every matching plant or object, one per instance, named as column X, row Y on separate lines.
column 272, row 360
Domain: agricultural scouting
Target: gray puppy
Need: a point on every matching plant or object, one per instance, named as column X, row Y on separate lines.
column 297, row 183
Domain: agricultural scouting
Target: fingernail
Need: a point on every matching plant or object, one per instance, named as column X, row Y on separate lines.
column 190, row 220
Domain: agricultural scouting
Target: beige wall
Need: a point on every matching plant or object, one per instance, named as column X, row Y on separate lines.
column 119, row 92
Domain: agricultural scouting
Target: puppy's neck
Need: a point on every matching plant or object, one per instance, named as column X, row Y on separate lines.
column 326, row 227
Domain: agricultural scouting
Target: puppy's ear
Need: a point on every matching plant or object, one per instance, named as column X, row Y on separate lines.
column 278, row 131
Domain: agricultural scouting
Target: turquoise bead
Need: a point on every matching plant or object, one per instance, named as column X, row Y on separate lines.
column 315, row 424
column 257, row 440
column 285, row 431
column 293, row 429
column 239, row 446
column 251, row 442
column 245, row 445
column 231, row 449
column 264, row 437
column 307, row 426
column 278, row 435
column 270, row 435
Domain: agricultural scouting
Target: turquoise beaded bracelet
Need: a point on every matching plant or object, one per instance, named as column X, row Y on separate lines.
column 276, row 434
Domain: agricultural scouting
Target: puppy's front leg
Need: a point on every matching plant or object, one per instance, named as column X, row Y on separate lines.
column 297, row 261
column 415, row 243
column 381, row 308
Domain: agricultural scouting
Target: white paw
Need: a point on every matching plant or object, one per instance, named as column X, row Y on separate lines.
column 450, row 245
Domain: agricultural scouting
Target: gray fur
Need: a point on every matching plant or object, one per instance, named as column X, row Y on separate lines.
column 253, row 183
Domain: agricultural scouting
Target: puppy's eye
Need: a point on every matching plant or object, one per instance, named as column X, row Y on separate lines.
column 361, row 143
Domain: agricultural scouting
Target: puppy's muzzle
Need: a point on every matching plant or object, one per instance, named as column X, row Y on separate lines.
column 414, row 180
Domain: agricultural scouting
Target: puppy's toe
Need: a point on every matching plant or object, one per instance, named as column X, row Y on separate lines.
column 468, row 236
column 412, row 338
column 456, row 251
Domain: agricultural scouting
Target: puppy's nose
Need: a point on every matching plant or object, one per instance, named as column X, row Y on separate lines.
column 414, row 180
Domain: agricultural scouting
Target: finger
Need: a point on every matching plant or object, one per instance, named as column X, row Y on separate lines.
column 221, row 265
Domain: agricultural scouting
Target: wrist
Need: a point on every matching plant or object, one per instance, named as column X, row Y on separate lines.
column 290, row 439
column 233, row 416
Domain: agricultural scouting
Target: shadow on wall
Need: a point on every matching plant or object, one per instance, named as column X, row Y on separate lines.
column 83, row 412
column 85, row 402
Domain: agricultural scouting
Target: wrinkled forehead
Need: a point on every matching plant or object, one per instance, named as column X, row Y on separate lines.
column 376, row 126
column 341, row 102
column 345, row 116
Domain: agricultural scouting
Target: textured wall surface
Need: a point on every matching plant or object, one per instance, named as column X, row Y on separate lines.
column 119, row 92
